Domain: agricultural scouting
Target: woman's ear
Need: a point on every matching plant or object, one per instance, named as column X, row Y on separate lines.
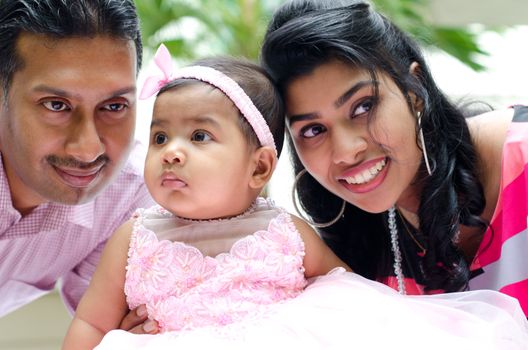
column 265, row 161
column 416, row 71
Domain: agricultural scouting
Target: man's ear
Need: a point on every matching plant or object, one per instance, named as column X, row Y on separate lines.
column 265, row 161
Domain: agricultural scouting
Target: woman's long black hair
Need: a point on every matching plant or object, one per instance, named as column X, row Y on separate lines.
column 304, row 34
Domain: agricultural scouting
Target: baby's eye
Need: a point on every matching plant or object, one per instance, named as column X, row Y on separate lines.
column 159, row 138
column 313, row 130
column 55, row 106
column 200, row 136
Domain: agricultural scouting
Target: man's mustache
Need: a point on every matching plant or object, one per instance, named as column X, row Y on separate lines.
column 74, row 163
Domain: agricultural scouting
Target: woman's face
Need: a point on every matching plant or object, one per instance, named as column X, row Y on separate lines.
column 368, row 159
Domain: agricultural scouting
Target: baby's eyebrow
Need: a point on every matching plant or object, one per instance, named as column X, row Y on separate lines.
column 157, row 122
column 203, row 119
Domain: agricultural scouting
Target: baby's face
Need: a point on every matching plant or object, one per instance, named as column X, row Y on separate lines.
column 198, row 163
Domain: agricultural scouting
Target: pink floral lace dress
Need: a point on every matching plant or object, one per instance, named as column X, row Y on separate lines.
column 239, row 284
column 185, row 289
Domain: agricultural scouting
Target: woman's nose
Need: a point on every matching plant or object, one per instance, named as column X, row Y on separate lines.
column 347, row 145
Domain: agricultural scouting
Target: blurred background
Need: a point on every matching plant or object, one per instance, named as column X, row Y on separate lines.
column 476, row 50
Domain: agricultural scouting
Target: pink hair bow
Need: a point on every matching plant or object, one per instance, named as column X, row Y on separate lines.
column 215, row 78
column 154, row 83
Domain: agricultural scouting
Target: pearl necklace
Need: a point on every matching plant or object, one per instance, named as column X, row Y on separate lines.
column 393, row 228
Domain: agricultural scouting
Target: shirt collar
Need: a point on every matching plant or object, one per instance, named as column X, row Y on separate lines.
column 81, row 214
column 6, row 202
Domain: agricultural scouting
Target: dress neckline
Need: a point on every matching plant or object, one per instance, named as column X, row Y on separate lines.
column 251, row 209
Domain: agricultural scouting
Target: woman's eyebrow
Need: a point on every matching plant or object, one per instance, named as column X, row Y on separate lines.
column 353, row 90
column 302, row 117
column 341, row 100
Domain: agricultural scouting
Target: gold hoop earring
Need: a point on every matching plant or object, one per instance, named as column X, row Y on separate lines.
column 422, row 140
column 313, row 223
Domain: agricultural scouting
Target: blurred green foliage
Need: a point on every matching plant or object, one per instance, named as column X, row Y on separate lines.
column 197, row 28
column 411, row 16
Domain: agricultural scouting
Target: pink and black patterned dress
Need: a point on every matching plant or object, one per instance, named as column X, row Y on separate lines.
column 502, row 260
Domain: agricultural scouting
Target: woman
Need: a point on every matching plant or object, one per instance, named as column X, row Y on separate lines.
column 422, row 201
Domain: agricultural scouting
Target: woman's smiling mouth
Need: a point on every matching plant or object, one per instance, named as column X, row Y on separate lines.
column 366, row 175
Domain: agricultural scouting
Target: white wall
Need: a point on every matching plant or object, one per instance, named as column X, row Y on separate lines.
column 488, row 12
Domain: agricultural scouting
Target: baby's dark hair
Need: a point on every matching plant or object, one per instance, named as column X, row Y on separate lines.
column 257, row 84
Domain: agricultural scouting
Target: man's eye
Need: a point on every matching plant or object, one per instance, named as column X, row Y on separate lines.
column 160, row 139
column 55, row 106
column 115, row 107
column 200, row 136
column 312, row 131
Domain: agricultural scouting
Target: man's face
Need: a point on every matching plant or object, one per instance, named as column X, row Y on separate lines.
column 68, row 123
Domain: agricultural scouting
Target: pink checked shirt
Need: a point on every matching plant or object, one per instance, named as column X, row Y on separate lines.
column 60, row 242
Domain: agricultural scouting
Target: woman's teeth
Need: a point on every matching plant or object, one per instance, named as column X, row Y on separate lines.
column 367, row 174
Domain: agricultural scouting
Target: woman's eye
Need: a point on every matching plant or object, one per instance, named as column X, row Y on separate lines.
column 160, row 139
column 200, row 136
column 55, row 106
column 363, row 107
column 312, row 131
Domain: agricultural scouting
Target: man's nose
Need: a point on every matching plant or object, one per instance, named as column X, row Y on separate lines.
column 85, row 143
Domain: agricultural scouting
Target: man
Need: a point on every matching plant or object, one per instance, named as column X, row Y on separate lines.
column 67, row 117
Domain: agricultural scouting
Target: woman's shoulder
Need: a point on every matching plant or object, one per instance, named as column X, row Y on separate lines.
column 488, row 131
column 488, row 121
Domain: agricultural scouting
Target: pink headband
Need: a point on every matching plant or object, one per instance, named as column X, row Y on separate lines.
column 219, row 80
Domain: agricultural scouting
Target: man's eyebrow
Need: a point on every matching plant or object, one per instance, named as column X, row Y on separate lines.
column 64, row 93
column 124, row 91
column 341, row 100
column 52, row 90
